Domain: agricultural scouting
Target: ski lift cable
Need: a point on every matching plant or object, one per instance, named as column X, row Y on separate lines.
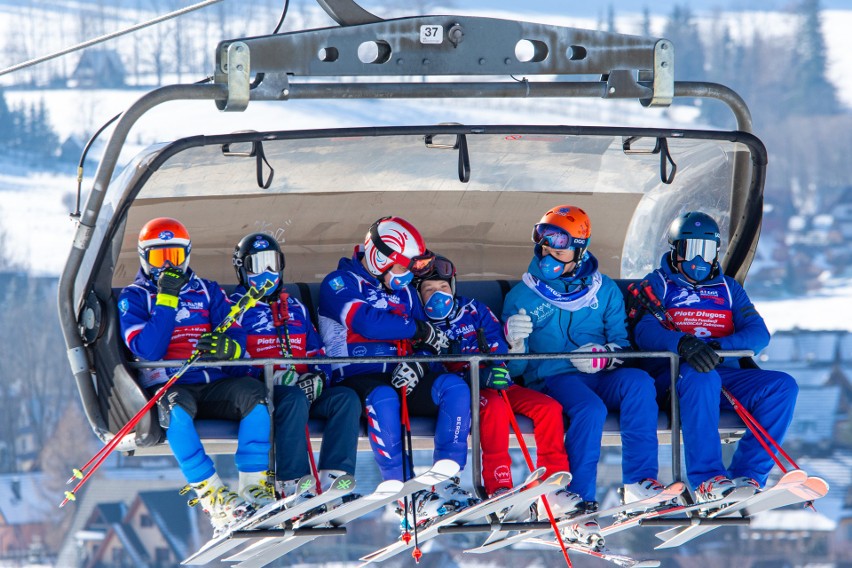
column 107, row 37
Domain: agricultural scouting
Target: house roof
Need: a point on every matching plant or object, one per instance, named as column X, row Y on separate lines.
column 804, row 346
column 172, row 517
column 815, row 414
column 24, row 500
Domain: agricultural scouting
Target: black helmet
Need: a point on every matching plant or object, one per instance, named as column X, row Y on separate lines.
column 692, row 235
column 258, row 253
column 442, row 269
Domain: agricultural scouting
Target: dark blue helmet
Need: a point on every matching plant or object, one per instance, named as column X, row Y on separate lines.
column 694, row 238
column 259, row 253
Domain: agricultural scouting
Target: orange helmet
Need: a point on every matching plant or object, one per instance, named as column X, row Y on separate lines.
column 564, row 227
column 163, row 242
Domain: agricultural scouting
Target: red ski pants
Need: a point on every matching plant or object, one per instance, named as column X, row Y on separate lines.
column 549, row 432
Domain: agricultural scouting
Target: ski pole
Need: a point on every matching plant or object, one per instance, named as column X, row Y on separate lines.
column 485, row 348
column 280, row 317
column 246, row 302
column 529, row 461
column 407, row 458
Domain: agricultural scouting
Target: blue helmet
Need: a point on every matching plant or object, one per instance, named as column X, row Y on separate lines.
column 258, row 257
column 695, row 242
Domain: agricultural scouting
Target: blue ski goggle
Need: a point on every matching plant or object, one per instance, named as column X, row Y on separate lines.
column 556, row 238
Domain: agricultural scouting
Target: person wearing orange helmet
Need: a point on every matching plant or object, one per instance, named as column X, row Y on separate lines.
column 165, row 314
column 565, row 304
column 369, row 307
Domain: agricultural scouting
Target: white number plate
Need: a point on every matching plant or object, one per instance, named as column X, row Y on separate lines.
column 431, row 34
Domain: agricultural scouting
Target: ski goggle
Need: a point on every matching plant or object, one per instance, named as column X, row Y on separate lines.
column 158, row 257
column 442, row 269
column 557, row 239
column 263, row 261
column 688, row 249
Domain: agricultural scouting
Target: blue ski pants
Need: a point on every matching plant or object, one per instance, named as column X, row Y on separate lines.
column 770, row 396
column 586, row 398
column 238, row 398
column 445, row 396
column 340, row 407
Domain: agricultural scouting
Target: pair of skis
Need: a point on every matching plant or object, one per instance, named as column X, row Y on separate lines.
column 519, row 498
column 269, row 543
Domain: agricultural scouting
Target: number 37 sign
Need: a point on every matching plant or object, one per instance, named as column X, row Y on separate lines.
column 431, row 34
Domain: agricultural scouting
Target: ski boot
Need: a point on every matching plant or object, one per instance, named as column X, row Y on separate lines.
column 714, row 489
column 327, row 477
column 453, row 497
column 645, row 489
column 296, row 491
column 224, row 507
column 501, row 514
column 563, row 503
column 256, row 489
column 424, row 506
column 748, row 483
column 585, row 532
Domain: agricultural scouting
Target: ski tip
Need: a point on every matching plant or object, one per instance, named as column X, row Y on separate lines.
column 647, row 564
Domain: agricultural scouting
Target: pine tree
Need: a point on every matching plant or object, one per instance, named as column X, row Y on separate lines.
column 809, row 90
column 689, row 50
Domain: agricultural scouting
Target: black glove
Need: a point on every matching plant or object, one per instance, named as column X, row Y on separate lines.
column 430, row 337
column 496, row 378
column 219, row 345
column 169, row 285
column 697, row 353
column 407, row 375
column 311, row 384
column 615, row 362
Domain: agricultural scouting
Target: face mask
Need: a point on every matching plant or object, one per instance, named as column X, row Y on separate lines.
column 400, row 281
column 439, row 306
column 550, row 267
column 697, row 269
column 258, row 280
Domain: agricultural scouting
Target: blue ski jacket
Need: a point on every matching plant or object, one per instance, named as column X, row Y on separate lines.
column 718, row 309
column 264, row 341
column 154, row 333
column 359, row 317
column 558, row 330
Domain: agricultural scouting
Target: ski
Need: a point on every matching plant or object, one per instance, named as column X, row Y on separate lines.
column 794, row 487
column 474, row 512
column 704, row 509
column 668, row 494
column 270, row 548
column 516, row 512
column 605, row 554
column 270, row 516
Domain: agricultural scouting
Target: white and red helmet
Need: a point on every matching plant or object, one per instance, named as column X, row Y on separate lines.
column 163, row 241
column 393, row 240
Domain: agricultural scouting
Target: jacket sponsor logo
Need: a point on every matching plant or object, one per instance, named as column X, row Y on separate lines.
column 192, row 305
column 685, row 298
column 359, row 351
column 542, row 311
column 182, row 314
column 267, row 341
column 502, row 473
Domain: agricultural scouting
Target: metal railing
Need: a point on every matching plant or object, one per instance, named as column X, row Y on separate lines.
column 474, row 360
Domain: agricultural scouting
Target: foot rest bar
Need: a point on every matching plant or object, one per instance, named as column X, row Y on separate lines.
column 484, row 527
column 261, row 533
column 740, row 521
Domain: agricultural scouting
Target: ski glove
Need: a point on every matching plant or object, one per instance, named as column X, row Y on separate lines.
column 614, row 363
column 407, row 375
column 428, row 336
column 310, row 383
column 496, row 378
column 592, row 365
column 518, row 327
column 697, row 353
column 169, row 285
column 219, row 345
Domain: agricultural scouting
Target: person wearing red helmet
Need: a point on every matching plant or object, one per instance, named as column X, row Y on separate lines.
column 565, row 304
column 165, row 314
column 369, row 307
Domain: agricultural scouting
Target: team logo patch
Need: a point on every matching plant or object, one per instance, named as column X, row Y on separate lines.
column 166, row 235
column 502, row 473
column 123, row 306
column 337, row 284
column 359, row 351
column 182, row 314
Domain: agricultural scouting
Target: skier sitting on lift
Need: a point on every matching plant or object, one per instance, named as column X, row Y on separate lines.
column 711, row 311
column 469, row 323
column 368, row 307
column 165, row 314
column 564, row 304
column 279, row 325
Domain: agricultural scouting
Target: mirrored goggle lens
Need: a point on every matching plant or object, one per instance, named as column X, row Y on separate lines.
column 556, row 238
column 422, row 265
column 267, row 260
column 443, row 268
column 690, row 248
column 158, row 257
